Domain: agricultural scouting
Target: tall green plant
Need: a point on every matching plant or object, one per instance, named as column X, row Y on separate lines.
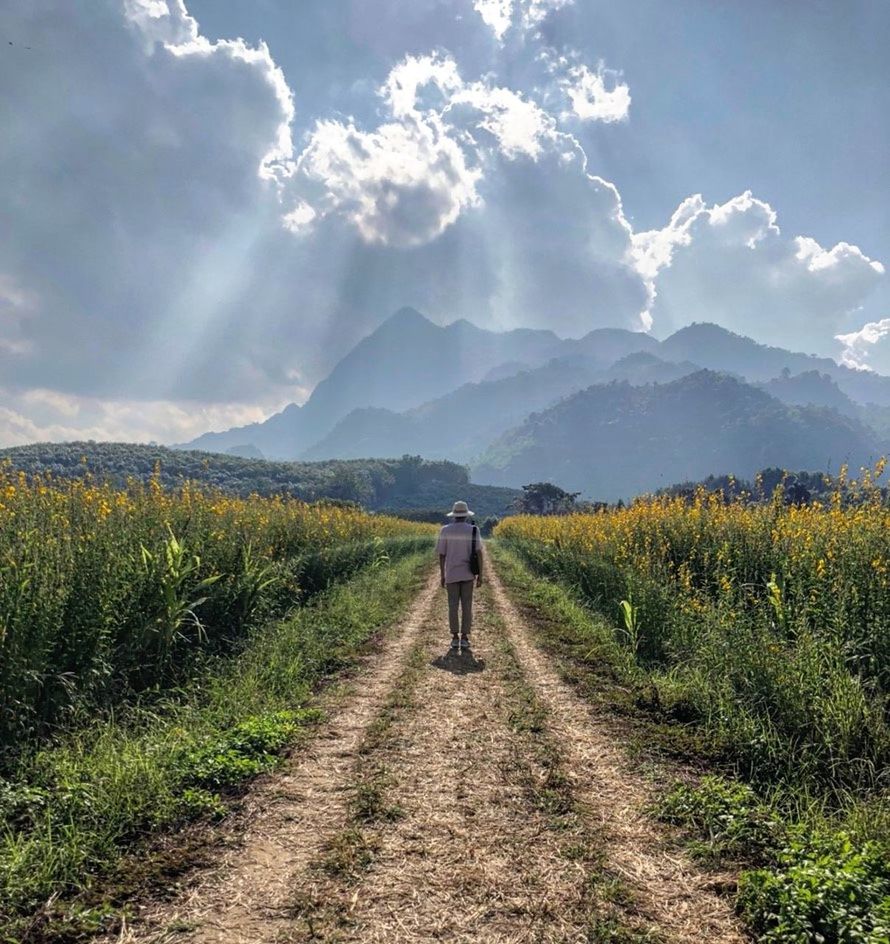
column 175, row 591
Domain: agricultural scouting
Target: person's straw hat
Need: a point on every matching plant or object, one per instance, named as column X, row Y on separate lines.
column 460, row 510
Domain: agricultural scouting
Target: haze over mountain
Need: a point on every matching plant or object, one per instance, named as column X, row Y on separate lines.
column 414, row 387
column 811, row 389
column 616, row 440
column 406, row 362
column 403, row 363
column 460, row 424
column 463, row 423
column 714, row 347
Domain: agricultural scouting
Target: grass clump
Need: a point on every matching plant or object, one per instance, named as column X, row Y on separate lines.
column 729, row 817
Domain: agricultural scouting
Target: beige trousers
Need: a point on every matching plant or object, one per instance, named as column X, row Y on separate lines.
column 460, row 593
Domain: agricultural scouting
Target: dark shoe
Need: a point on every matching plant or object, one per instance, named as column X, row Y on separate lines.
column 465, row 642
column 455, row 643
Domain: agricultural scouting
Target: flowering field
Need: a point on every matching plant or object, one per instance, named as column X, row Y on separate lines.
column 769, row 624
column 108, row 592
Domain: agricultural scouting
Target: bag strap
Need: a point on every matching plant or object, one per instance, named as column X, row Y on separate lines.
column 473, row 542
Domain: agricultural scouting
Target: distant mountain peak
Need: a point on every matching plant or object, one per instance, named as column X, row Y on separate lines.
column 407, row 315
column 637, row 358
column 705, row 328
column 462, row 324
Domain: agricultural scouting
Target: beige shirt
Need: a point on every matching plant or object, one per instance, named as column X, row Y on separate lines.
column 455, row 541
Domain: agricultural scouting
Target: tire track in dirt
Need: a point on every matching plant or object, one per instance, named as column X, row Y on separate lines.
column 669, row 891
column 288, row 816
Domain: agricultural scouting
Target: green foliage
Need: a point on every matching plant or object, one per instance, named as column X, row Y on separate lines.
column 176, row 590
column 196, row 803
column 822, row 888
column 728, row 814
column 796, row 488
column 815, row 883
column 243, row 751
column 544, row 498
column 396, row 484
column 630, row 616
column 72, row 809
column 111, row 596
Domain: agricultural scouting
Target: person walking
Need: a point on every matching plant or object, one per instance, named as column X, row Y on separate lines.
column 460, row 567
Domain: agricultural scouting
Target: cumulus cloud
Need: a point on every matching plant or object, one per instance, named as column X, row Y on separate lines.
column 501, row 15
column 162, row 21
column 400, row 185
column 520, row 127
column 731, row 263
column 452, row 151
column 404, row 182
column 868, row 348
column 534, row 12
column 406, row 89
column 187, row 254
column 168, row 23
column 593, row 96
column 497, row 14
column 580, row 276
column 140, row 173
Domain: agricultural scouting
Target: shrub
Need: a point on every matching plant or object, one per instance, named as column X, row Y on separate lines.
column 822, row 889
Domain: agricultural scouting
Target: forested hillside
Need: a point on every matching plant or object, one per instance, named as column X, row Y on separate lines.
column 395, row 484
column 616, row 441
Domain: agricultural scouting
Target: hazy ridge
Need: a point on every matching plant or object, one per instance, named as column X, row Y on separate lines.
column 524, row 405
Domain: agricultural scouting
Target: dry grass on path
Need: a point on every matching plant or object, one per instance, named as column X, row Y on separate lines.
column 474, row 856
column 470, row 798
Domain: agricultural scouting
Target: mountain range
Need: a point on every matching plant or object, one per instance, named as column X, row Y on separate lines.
column 525, row 404
column 616, row 440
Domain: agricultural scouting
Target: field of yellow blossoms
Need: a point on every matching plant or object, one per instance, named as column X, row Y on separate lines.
column 768, row 623
column 105, row 591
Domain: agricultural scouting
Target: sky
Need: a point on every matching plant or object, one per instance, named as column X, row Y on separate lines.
column 205, row 203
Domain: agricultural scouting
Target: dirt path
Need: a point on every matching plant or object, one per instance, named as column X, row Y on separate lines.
column 472, row 856
column 459, row 798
